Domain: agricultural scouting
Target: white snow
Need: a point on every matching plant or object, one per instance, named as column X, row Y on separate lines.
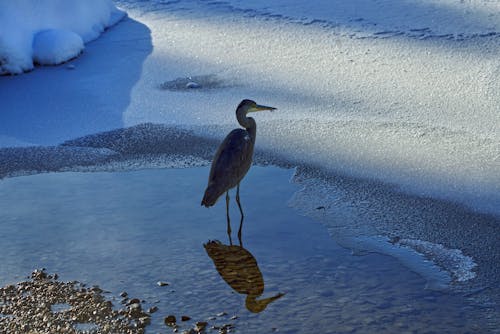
column 49, row 31
column 54, row 46
column 419, row 18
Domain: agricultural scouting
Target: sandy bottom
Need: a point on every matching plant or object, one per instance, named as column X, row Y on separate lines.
column 127, row 231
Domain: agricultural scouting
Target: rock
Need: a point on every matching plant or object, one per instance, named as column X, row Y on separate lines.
column 133, row 301
column 161, row 283
column 200, row 326
column 135, row 306
column 39, row 274
column 185, row 318
column 95, row 288
column 226, row 328
column 123, row 294
column 143, row 321
column 170, row 320
column 153, row 309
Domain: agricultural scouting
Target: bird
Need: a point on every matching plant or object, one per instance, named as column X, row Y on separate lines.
column 233, row 159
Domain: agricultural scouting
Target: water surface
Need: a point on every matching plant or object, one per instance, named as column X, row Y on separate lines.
column 125, row 231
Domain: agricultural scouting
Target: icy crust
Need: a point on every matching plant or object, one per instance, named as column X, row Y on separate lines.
column 17, row 161
column 148, row 139
column 364, row 215
column 439, row 265
column 383, row 19
column 449, row 19
column 49, row 31
column 453, row 260
column 142, row 146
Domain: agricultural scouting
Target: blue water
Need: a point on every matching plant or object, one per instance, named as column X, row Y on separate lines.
column 126, row 231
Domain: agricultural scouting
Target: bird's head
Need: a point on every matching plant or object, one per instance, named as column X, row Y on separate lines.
column 247, row 106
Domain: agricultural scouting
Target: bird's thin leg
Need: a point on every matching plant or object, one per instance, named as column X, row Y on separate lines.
column 228, row 219
column 241, row 211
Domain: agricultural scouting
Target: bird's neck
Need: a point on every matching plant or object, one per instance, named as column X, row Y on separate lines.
column 248, row 123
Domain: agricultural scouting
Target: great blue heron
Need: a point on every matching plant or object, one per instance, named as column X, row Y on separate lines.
column 233, row 160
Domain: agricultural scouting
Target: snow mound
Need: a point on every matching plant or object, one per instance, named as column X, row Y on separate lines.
column 55, row 46
column 22, row 22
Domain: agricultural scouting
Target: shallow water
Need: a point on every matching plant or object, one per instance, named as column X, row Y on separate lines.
column 126, row 231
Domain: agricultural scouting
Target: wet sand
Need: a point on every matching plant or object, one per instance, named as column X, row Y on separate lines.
column 125, row 231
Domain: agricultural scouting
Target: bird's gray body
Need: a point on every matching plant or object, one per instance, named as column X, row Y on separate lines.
column 231, row 162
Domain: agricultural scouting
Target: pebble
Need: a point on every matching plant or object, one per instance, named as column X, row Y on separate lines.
column 226, row 328
column 161, row 283
column 170, row 320
column 135, row 306
column 134, row 301
column 88, row 304
column 200, row 326
column 153, row 309
column 185, row 318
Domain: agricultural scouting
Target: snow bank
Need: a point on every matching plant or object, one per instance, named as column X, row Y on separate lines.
column 49, row 31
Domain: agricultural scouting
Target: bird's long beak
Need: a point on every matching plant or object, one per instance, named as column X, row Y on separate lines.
column 259, row 107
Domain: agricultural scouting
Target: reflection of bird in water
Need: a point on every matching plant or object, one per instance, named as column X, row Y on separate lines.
column 240, row 270
column 233, row 160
